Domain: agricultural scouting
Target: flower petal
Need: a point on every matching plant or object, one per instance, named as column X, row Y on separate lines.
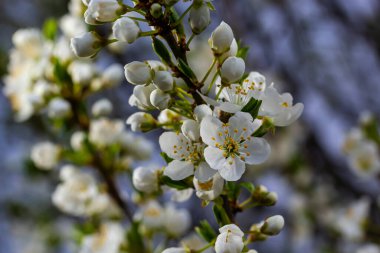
column 255, row 150
column 242, row 125
column 178, row 170
column 174, row 145
column 214, row 157
column 204, row 172
column 232, row 169
column 210, row 126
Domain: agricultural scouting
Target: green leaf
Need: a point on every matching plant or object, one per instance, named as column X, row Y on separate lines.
column 233, row 190
column 50, row 29
column 60, row 73
column 166, row 158
column 205, row 231
column 249, row 186
column 161, row 50
column 135, row 240
column 186, row 70
column 242, row 51
column 221, row 215
column 211, row 6
column 179, row 185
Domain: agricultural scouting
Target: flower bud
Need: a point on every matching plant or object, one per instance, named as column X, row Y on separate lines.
column 113, row 75
column 141, row 97
column 232, row 69
column 101, row 107
column 86, row 45
column 156, row 10
column 82, row 72
column 163, row 80
column 102, row 11
column 190, row 128
column 58, row 108
column 231, row 52
column 141, row 121
column 138, row 73
column 77, row 140
column 126, row 29
column 221, row 38
column 273, row 225
column 45, row 155
column 160, row 99
column 145, row 179
column 199, row 18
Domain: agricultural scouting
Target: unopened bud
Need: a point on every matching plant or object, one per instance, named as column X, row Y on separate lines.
column 126, row 29
column 163, row 80
column 58, row 108
column 101, row 107
column 190, row 128
column 102, row 11
column 141, row 121
column 199, row 18
column 138, row 73
column 232, row 69
column 156, row 10
column 160, row 99
column 113, row 75
column 86, row 45
column 273, row 225
column 221, row 38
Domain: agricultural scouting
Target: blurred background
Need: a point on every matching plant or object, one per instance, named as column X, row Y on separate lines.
column 325, row 52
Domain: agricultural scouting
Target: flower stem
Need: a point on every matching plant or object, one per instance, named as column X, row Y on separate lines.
column 183, row 15
column 209, row 71
column 212, row 82
column 190, row 39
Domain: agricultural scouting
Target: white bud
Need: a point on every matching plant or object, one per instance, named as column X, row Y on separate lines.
column 126, row 29
column 101, row 107
column 77, row 140
column 230, row 239
column 85, row 45
column 141, row 121
column 45, row 155
column 156, row 10
column 232, row 69
column 176, row 221
column 156, row 65
column 160, row 99
column 138, row 73
column 141, row 97
column 104, row 132
column 163, row 80
column 102, row 11
column 221, row 38
column 82, row 72
column 180, row 83
column 145, row 179
column 199, row 18
column 273, row 225
column 113, row 75
column 232, row 52
column 190, row 128
column 58, row 108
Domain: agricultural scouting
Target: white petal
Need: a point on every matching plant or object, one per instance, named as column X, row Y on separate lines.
column 182, row 196
column 214, row 157
column 232, row 169
column 174, row 145
column 255, row 150
column 230, row 107
column 242, row 125
column 209, row 100
column 231, row 228
column 210, row 126
column 178, row 170
column 202, row 111
column 204, row 172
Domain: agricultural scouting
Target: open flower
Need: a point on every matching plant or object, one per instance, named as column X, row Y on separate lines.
column 187, row 155
column 230, row 239
column 211, row 189
column 279, row 107
column 231, row 145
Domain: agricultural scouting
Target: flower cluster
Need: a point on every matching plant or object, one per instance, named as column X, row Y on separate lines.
column 362, row 147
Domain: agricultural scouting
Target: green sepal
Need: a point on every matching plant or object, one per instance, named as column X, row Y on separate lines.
column 186, row 70
column 179, row 185
column 233, row 190
column 166, row 158
column 205, row 231
column 50, row 29
column 252, row 107
column 221, row 215
column 135, row 240
column 161, row 50
column 211, row 6
column 249, row 186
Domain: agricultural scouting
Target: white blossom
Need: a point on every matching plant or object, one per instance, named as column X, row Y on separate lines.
column 138, row 73
column 151, row 215
column 211, row 189
column 107, row 240
column 369, row 248
column 126, row 29
column 174, row 250
column 101, row 11
column 138, row 147
column 45, row 155
column 113, row 75
column 160, row 99
column 191, row 129
column 279, row 107
column 176, row 221
column 72, row 26
column 199, row 18
column 102, row 107
column 105, row 132
column 231, row 146
column 163, row 80
column 141, row 97
column 77, row 140
column 141, row 121
column 145, row 178
column 85, row 45
column 273, row 225
column 82, row 72
column 58, row 108
column 232, row 69
column 230, row 239
column 221, row 38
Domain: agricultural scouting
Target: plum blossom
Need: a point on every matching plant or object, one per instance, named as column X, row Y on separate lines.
column 230, row 239
column 231, row 145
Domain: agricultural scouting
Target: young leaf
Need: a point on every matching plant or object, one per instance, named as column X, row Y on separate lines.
column 221, row 215
column 135, row 241
column 161, row 50
column 186, row 70
column 166, row 158
column 179, row 185
column 50, row 29
column 205, row 231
